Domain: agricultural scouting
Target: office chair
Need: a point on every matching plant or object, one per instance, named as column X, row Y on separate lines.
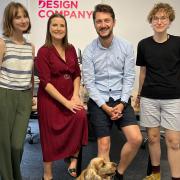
column 33, row 116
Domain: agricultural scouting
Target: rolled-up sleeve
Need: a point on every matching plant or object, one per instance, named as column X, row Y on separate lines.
column 43, row 67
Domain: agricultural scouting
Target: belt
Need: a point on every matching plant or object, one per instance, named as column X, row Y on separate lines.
column 67, row 76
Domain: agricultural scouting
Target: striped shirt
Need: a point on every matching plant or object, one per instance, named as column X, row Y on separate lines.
column 16, row 67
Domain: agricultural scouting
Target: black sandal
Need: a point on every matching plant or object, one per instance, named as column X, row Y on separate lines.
column 71, row 170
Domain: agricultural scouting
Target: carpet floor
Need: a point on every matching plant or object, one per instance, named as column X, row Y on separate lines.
column 32, row 166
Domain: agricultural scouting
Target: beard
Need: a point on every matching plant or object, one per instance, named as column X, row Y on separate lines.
column 105, row 36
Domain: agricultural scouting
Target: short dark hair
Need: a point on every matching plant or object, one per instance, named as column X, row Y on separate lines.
column 103, row 8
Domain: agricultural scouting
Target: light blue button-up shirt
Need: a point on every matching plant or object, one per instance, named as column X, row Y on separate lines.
column 109, row 72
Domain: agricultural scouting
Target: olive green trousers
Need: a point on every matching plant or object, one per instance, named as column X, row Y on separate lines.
column 15, row 109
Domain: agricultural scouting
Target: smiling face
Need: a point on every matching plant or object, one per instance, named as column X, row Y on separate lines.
column 104, row 24
column 15, row 19
column 21, row 21
column 57, row 28
column 160, row 22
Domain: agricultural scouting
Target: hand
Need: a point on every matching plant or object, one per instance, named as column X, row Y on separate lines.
column 34, row 104
column 117, row 112
column 34, row 101
column 107, row 109
column 73, row 106
column 137, row 102
column 77, row 100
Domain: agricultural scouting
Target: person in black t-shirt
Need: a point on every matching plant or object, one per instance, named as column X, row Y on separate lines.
column 159, row 89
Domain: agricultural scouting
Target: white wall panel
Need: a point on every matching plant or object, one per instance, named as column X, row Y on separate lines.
column 131, row 21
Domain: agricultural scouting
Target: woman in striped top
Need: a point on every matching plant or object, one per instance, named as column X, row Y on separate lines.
column 16, row 67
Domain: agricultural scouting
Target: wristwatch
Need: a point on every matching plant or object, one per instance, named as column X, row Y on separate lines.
column 124, row 104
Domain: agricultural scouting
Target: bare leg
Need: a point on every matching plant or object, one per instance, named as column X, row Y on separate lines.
column 104, row 147
column 48, row 170
column 154, row 145
column 173, row 151
column 73, row 164
column 130, row 148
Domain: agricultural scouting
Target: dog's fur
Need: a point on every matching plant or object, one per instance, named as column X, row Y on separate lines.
column 98, row 169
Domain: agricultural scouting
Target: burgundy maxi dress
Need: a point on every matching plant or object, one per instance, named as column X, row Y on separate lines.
column 62, row 132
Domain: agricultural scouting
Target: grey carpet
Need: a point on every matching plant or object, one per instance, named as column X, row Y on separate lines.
column 32, row 167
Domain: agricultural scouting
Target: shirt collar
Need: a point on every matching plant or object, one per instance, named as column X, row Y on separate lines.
column 102, row 47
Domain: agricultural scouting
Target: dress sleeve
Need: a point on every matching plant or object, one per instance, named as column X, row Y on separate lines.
column 77, row 72
column 42, row 66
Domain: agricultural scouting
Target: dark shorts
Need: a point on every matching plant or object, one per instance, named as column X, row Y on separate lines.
column 101, row 122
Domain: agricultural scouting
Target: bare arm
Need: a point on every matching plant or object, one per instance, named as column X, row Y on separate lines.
column 76, row 97
column 54, row 93
column 107, row 109
column 142, row 76
column 76, row 86
column 2, row 50
column 33, row 51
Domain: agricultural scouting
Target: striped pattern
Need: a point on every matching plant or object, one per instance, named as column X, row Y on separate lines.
column 16, row 68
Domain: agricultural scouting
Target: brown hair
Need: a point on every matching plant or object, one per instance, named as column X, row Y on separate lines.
column 10, row 13
column 162, row 7
column 48, row 41
column 103, row 8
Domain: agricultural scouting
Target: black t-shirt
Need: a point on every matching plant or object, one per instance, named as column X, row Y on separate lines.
column 162, row 62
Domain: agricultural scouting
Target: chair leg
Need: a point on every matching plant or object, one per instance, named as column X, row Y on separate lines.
column 29, row 132
column 144, row 143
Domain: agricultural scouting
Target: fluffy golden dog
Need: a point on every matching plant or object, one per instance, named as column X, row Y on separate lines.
column 98, row 169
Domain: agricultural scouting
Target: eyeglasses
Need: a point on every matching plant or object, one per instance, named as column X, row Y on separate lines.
column 157, row 19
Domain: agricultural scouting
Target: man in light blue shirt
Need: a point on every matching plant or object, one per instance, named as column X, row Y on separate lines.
column 109, row 73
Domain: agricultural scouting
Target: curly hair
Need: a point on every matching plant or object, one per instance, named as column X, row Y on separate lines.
column 164, row 7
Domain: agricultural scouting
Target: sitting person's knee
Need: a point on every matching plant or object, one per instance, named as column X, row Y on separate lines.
column 136, row 141
column 139, row 140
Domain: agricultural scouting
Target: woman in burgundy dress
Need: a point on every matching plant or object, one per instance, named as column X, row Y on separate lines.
column 62, row 118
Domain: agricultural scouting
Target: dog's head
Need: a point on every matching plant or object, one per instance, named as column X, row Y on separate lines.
column 98, row 169
column 102, row 168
